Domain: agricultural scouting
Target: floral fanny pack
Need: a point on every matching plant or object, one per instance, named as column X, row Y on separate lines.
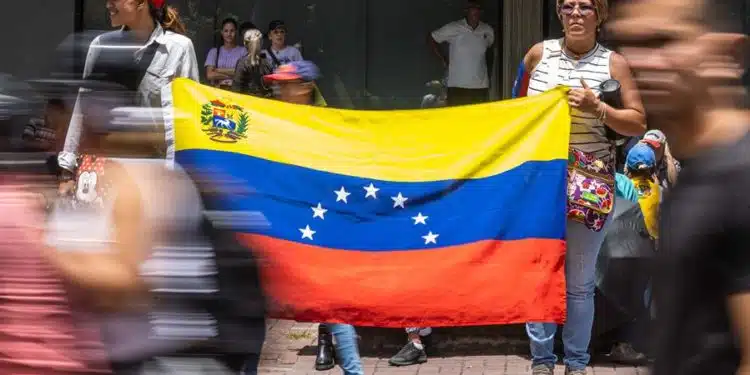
column 591, row 189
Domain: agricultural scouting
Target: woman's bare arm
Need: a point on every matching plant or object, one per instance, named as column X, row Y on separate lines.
column 629, row 120
column 214, row 74
column 533, row 56
column 114, row 268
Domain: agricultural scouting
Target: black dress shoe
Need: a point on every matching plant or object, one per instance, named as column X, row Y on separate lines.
column 324, row 359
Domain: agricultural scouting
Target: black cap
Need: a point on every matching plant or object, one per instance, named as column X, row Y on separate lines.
column 275, row 24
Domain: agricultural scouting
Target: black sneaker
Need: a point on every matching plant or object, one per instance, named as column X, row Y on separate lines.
column 408, row 355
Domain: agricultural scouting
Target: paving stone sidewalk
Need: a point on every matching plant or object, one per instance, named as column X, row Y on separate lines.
column 289, row 350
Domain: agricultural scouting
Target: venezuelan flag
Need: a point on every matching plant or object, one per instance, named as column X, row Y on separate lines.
column 441, row 217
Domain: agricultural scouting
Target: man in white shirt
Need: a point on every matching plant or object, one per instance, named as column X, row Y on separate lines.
column 469, row 39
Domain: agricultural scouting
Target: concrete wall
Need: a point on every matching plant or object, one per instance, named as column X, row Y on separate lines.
column 30, row 31
column 522, row 28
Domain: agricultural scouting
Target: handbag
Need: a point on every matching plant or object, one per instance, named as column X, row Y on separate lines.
column 590, row 189
column 591, row 183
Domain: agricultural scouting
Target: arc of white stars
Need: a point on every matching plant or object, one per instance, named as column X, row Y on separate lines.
column 399, row 200
column 420, row 219
column 341, row 195
column 430, row 238
column 319, row 211
column 307, row 232
column 371, row 191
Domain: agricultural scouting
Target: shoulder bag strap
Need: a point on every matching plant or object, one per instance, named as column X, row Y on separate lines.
column 276, row 61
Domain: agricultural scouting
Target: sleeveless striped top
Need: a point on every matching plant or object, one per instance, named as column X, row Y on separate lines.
column 587, row 133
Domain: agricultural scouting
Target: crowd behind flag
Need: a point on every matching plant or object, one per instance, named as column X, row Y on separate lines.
column 391, row 218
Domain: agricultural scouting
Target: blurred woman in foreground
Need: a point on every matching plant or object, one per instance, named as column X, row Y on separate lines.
column 118, row 244
column 40, row 333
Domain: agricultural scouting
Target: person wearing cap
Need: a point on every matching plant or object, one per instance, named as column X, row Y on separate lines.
column 468, row 38
column 641, row 168
column 147, row 52
column 624, row 240
column 667, row 167
column 296, row 84
column 279, row 53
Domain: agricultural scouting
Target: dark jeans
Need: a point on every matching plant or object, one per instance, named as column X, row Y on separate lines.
column 461, row 96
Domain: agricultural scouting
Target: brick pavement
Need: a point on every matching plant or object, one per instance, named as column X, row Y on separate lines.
column 289, row 350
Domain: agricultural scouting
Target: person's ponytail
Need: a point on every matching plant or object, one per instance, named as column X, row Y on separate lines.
column 169, row 19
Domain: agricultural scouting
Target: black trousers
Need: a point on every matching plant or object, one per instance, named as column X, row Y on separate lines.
column 461, row 96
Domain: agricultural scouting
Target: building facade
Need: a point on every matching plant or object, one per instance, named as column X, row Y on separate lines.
column 372, row 53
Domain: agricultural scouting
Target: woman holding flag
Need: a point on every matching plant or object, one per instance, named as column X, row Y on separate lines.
column 580, row 62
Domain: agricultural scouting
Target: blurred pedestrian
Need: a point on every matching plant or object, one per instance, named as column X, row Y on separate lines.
column 42, row 332
column 687, row 56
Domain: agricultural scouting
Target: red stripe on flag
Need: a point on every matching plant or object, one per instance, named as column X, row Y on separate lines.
column 481, row 283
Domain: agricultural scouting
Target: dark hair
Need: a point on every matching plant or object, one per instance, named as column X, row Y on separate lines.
column 220, row 40
column 245, row 26
column 645, row 173
column 229, row 20
column 168, row 17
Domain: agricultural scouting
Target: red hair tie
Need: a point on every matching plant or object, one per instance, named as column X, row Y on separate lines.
column 157, row 3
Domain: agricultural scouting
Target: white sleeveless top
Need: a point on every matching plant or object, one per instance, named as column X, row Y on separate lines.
column 587, row 133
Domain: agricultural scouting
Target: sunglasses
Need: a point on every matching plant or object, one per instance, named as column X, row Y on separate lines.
column 584, row 9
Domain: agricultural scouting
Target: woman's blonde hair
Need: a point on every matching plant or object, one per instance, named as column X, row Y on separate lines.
column 602, row 10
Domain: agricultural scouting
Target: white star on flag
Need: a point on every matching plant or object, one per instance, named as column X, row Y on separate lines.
column 342, row 194
column 399, row 200
column 371, row 191
column 319, row 212
column 420, row 219
column 430, row 238
column 307, row 232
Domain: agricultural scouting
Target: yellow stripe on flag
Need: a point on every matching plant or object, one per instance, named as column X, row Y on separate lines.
column 405, row 145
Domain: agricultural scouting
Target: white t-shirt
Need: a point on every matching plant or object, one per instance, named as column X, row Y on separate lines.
column 285, row 56
column 467, row 67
